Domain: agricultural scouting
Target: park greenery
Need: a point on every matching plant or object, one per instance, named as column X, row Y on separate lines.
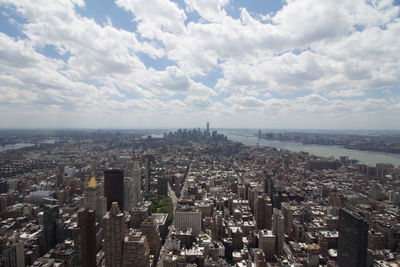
column 162, row 204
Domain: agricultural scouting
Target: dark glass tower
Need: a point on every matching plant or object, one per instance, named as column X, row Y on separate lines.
column 114, row 187
column 50, row 216
column 353, row 239
column 162, row 186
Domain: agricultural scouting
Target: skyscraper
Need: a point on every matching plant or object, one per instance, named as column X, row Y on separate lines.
column 50, row 216
column 147, row 174
column 264, row 212
column 93, row 198
column 114, row 187
column 278, row 231
column 87, row 231
column 137, row 181
column 114, row 234
column 353, row 239
column 129, row 191
column 3, row 186
column 162, row 186
column 60, row 175
column 13, row 254
column 287, row 211
column 269, row 186
column 208, row 127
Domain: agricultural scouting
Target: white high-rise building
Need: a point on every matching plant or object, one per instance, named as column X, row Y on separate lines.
column 137, row 182
column 129, row 194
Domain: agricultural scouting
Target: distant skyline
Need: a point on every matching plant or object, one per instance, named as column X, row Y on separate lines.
column 294, row 64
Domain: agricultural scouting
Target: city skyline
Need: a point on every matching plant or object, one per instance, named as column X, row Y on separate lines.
column 194, row 197
column 239, row 64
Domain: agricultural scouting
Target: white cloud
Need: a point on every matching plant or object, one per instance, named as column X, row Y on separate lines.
column 346, row 93
column 313, row 98
column 211, row 10
column 334, row 50
column 198, row 101
column 155, row 17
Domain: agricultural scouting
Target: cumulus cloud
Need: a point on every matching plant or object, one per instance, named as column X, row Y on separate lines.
column 211, row 10
column 310, row 57
column 155, row 17
column 198, row 101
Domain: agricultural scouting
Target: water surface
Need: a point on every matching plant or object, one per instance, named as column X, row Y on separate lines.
column 366, row 157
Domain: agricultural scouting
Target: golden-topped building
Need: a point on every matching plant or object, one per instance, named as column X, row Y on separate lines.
column 94, row 199
column 92, row 181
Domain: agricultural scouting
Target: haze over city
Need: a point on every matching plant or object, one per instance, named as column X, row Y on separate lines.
column 240, row 64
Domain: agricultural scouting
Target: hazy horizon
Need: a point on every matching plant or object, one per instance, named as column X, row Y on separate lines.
column 255, row 130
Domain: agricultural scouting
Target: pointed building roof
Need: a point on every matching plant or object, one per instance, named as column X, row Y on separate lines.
column 92, row 181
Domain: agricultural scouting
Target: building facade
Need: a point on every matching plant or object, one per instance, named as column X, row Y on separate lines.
column 353, row 239
column 87, row 229
column 114, row 235
column 188, row 218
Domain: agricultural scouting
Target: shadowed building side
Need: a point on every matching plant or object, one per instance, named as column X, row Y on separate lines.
column 114, row 187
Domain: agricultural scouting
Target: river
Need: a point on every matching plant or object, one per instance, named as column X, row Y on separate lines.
column 365, row 157
column 22, row 145
column 15, row 146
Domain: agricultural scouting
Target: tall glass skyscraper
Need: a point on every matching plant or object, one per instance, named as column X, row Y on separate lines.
column 353, row 239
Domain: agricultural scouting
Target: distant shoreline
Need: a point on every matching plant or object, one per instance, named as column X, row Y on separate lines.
column 364, row 157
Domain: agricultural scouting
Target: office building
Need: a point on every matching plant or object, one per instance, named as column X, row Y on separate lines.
column 87, row 229
column 278, row 230
column 147, row 172
column 128, row 194
column 114, row 235
column 149, row 228
column 266, row 242
column 93, row 198
column 269, row 186
column 136, row 250
column 353, row 239
column 137, row 182
column 3, row 186
column 188, row 218
column 162, row 186
column 287, row 212
column 264, row 212
column 114, row 187
column 60, row 175
column 50, row 216
column 139, row 214
column 13, row 254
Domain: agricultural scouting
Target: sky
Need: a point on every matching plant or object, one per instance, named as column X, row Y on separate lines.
column 296, row 64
